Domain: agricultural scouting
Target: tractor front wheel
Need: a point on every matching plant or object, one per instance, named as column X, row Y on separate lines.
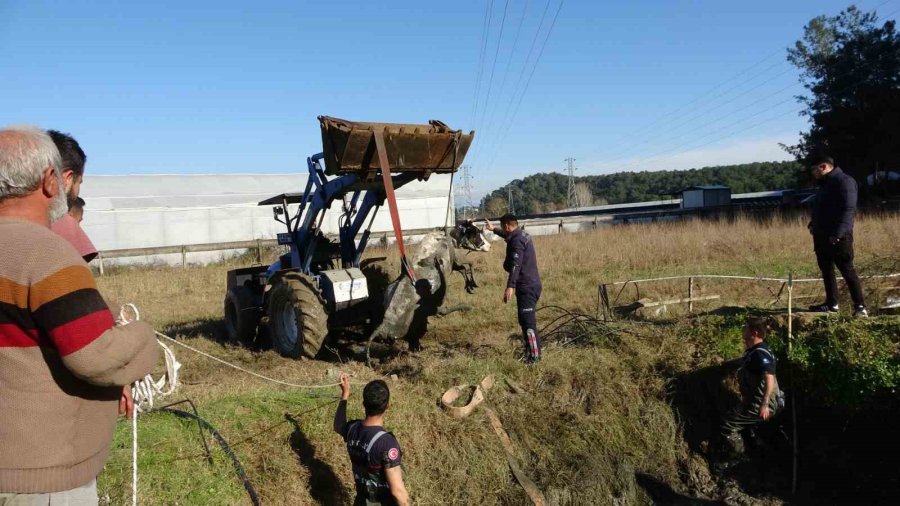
column 298, row 323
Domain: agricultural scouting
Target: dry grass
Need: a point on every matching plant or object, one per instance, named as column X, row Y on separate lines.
column 593, row 416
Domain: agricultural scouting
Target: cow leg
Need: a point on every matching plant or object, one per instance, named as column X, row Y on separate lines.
column 468, row 275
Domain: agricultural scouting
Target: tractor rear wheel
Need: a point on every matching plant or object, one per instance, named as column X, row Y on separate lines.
column 241, row 315
column 298, row 323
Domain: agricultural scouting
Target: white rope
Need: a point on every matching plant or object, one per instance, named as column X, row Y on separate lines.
column 144, row 390
column 239, row 368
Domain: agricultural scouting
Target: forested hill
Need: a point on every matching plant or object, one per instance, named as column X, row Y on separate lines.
column 547, row 192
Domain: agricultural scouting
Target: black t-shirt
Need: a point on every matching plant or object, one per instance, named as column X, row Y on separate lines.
column 372, row 450
column 385, row 451
column 755, row 364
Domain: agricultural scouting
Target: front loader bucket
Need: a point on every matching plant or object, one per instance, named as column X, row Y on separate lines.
column 349, row 147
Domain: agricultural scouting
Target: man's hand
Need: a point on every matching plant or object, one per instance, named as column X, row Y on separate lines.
column 508, row 295
column 126, row 403
column 345, row 387
column 834, row 240
column 487, row 225
column 764, row 411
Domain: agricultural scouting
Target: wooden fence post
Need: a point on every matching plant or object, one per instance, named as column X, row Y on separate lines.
column 184, row 257
column 258, row 251
column 100, row 260
column 691, row 294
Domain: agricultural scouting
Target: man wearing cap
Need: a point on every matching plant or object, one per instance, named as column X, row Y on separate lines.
column 833, row 210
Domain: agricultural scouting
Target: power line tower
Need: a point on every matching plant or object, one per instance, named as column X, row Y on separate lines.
column 572, row 198
column 464, row 192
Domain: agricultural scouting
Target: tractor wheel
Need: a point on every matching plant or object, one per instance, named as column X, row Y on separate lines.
column 298, row 323
column 241, row 316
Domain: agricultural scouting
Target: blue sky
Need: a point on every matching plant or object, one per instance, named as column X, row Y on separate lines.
column 188, row 87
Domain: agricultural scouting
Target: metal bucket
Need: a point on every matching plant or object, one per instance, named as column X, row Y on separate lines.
column 349, row 147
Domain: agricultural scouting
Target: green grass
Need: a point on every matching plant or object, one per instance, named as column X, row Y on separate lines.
column 594, row 414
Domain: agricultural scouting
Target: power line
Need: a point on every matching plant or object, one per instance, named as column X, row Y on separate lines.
column 487, row 97
column 629, row 148
column 537, row 60
column 484, row 34
column 478, row 155
column 727, row 136
column 697, row 99
column 732, row 134
column 492, row 114
column 705, row 125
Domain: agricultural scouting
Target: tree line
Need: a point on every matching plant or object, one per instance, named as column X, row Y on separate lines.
column 545, row 192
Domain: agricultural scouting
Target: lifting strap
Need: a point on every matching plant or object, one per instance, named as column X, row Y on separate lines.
column 392, row 202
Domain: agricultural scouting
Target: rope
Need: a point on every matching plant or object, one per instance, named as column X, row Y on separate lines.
column 450, row 202
column 239, row 368
column 145, row 389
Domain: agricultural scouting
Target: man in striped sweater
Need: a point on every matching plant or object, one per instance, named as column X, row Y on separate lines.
column 63, row 362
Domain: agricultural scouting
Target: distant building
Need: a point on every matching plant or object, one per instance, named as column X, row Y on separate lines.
column 143, row 211
column 705, row 196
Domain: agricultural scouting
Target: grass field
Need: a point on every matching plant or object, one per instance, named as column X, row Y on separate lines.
column 596, row 425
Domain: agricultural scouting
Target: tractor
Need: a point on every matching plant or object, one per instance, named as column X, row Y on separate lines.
column 318, row 285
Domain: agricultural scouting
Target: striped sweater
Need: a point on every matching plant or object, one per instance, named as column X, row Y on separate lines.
column 63, row 363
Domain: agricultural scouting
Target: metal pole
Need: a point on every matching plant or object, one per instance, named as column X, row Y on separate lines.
column 183, row 257
column 100, row 260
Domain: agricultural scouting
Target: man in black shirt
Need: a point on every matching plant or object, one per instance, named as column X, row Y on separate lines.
column 523, row 281
column 760, row 395
column 374, row 453
column 833, row 211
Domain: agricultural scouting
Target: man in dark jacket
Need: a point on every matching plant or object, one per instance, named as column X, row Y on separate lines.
column 833, row 210
column 523, row 280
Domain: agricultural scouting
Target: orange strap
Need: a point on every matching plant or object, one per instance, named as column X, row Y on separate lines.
column 392, row 203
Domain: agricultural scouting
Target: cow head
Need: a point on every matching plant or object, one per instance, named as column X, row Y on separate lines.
column 466, row 235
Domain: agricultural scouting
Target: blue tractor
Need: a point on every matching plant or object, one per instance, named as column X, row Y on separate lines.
column 318, row 284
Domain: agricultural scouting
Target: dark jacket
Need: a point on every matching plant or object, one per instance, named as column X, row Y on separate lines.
column 834, row 206
column 521, row 260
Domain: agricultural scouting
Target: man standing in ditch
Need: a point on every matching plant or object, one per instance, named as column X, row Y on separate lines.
column 523, row 281
column 374, row 453
column 760, row 395
column 833, row 210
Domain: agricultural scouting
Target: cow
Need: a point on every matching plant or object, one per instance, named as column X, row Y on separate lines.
column 408, row 304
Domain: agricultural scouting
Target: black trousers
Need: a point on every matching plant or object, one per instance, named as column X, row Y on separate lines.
column 841, row 255
column 526, row 302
